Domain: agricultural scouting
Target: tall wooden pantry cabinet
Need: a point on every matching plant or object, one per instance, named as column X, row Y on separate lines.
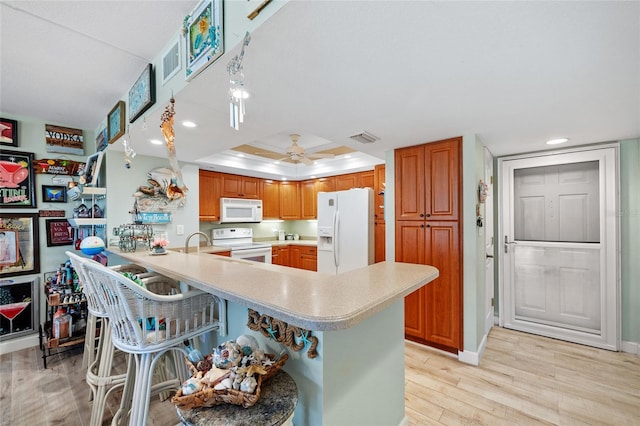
column 428, row 231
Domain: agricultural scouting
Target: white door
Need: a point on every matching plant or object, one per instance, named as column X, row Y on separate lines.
column 558, row 230
column 489, row 241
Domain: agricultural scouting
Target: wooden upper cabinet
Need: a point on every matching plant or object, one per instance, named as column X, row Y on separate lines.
column 427, row 181
column 442, row 197
column 209, row 195
column 366, row 179
column 325, row 184
column 348, row 181
column 236, row 186
column 270, row 199
column 308, row 201
column 290, row 200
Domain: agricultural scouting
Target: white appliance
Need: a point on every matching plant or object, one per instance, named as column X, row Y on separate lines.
column 240, row 242
column 345, row 230
column 239, row 210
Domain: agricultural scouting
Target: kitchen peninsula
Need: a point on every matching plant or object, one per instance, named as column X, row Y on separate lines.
column 357, row 317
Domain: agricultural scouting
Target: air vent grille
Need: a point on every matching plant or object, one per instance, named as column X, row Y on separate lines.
column 364, row 137
column 171, row 62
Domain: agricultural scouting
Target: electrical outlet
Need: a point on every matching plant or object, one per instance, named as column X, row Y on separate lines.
column 179, row 229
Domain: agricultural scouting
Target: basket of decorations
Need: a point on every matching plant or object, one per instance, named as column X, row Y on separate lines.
column 232, row 374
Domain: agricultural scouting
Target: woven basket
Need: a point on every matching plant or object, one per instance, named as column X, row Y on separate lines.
column 210, row 397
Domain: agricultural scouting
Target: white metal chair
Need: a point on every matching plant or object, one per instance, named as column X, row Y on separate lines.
column 148, row 325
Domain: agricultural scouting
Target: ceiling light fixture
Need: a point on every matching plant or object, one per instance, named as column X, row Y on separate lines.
column 155, row 141
column 189, row 124
column 557, row 141
column 237, row 91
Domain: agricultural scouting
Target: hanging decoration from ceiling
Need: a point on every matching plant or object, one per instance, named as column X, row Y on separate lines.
column 169, row 136
column 237, row 90
column 129, row 152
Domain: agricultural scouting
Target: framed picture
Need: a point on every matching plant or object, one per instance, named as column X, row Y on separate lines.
column 92, row 168
column 54, row 194
column 142, row 94
column 59, row 232
column 63, row 139
column 101, row 140
column 19, row 244
column 8, row 132
column 17, row 180
column 116, row 122
column 203, row 33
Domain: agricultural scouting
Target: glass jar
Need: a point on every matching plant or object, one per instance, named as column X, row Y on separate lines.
column 61, row 324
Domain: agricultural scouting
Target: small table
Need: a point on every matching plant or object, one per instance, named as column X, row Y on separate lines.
column 278, row 400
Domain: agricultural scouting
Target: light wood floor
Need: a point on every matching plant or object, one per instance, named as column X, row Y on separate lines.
column 522, row 379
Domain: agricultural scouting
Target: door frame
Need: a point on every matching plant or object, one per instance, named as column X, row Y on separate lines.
column 610, row 334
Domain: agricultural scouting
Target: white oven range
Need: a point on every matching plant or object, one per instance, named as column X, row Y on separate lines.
column 240, row 241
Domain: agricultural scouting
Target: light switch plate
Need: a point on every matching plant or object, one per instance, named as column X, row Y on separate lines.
column 179, row 229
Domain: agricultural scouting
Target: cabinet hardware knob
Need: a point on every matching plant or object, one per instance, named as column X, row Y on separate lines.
column 428, row 225
column 422, row 225
column 421, row 214
column 428, row 215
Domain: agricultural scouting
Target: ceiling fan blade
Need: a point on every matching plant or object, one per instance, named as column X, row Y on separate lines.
column 306, row 161
column 321, row 155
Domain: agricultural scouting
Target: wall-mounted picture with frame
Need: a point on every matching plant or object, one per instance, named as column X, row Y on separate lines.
column 8, row 132
column 116, row 122
column 19, row 245
column 59, row 232
column 17, row 180
column 204, row 37
column 54, row 194
column 142, row 94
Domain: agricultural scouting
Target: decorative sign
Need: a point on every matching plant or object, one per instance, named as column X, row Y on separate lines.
column 8, row 132
column 204, row 36
column 291, row 336
column 142, row 94
column 17, row 180
column 58, row 167
column 64, row 140
column 59, row 232
column 52, row 213
column 154, row 217
column 101, row 140
column 19, row 245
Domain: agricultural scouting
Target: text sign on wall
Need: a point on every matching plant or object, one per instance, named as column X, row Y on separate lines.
column 64, row 140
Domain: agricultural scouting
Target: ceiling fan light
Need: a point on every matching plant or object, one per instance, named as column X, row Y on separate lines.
column 557, row 141
column 364, row 137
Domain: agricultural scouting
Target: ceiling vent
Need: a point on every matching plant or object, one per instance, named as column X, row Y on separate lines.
column 171, row 62
column 364, row 137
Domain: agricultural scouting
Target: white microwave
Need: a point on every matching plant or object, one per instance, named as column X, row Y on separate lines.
column 240, row 210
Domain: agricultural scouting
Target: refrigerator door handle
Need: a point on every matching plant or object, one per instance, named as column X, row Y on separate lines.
column 336, row 234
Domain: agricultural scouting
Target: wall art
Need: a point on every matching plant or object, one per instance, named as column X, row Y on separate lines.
column 54, row 194
column 58, row 167
column 63, row 140
column 17, row 180
column 8, row 132
column 92, row 169
column 102, row 140
column 116, row 122
column 19, row 245
column 204, row 40
column 59, row 232
column 142, row 94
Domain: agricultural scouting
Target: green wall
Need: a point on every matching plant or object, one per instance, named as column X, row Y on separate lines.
column 630, row 239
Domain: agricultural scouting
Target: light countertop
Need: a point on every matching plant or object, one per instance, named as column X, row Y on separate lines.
column 311, row 300
column 309, row 243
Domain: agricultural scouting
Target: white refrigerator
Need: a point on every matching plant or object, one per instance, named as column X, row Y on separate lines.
column 345, row 230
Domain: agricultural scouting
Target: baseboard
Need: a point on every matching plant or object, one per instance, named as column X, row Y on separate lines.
column 473, row 358
column 20, row 343
column 631, row 347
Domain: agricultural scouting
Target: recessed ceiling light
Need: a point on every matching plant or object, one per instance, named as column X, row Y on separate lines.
column 276, row 162
column 240, row 155
column 284, row 178
column 557, row 141
column 347, row 156
column 155, row 141
column 189, row 124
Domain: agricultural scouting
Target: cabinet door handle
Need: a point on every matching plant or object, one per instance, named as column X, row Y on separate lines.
column 422, row 225
column 428, row 215
column 421, row 214
column 428, row 225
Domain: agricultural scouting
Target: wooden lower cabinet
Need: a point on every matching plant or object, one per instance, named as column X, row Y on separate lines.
column 224, row 253
column 308, row 258
column 280, row 255
column 433, row 314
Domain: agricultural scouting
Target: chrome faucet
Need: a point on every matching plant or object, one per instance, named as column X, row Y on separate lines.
column 186, row 244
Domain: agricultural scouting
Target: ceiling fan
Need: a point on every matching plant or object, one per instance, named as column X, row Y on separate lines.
column 296, row 153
